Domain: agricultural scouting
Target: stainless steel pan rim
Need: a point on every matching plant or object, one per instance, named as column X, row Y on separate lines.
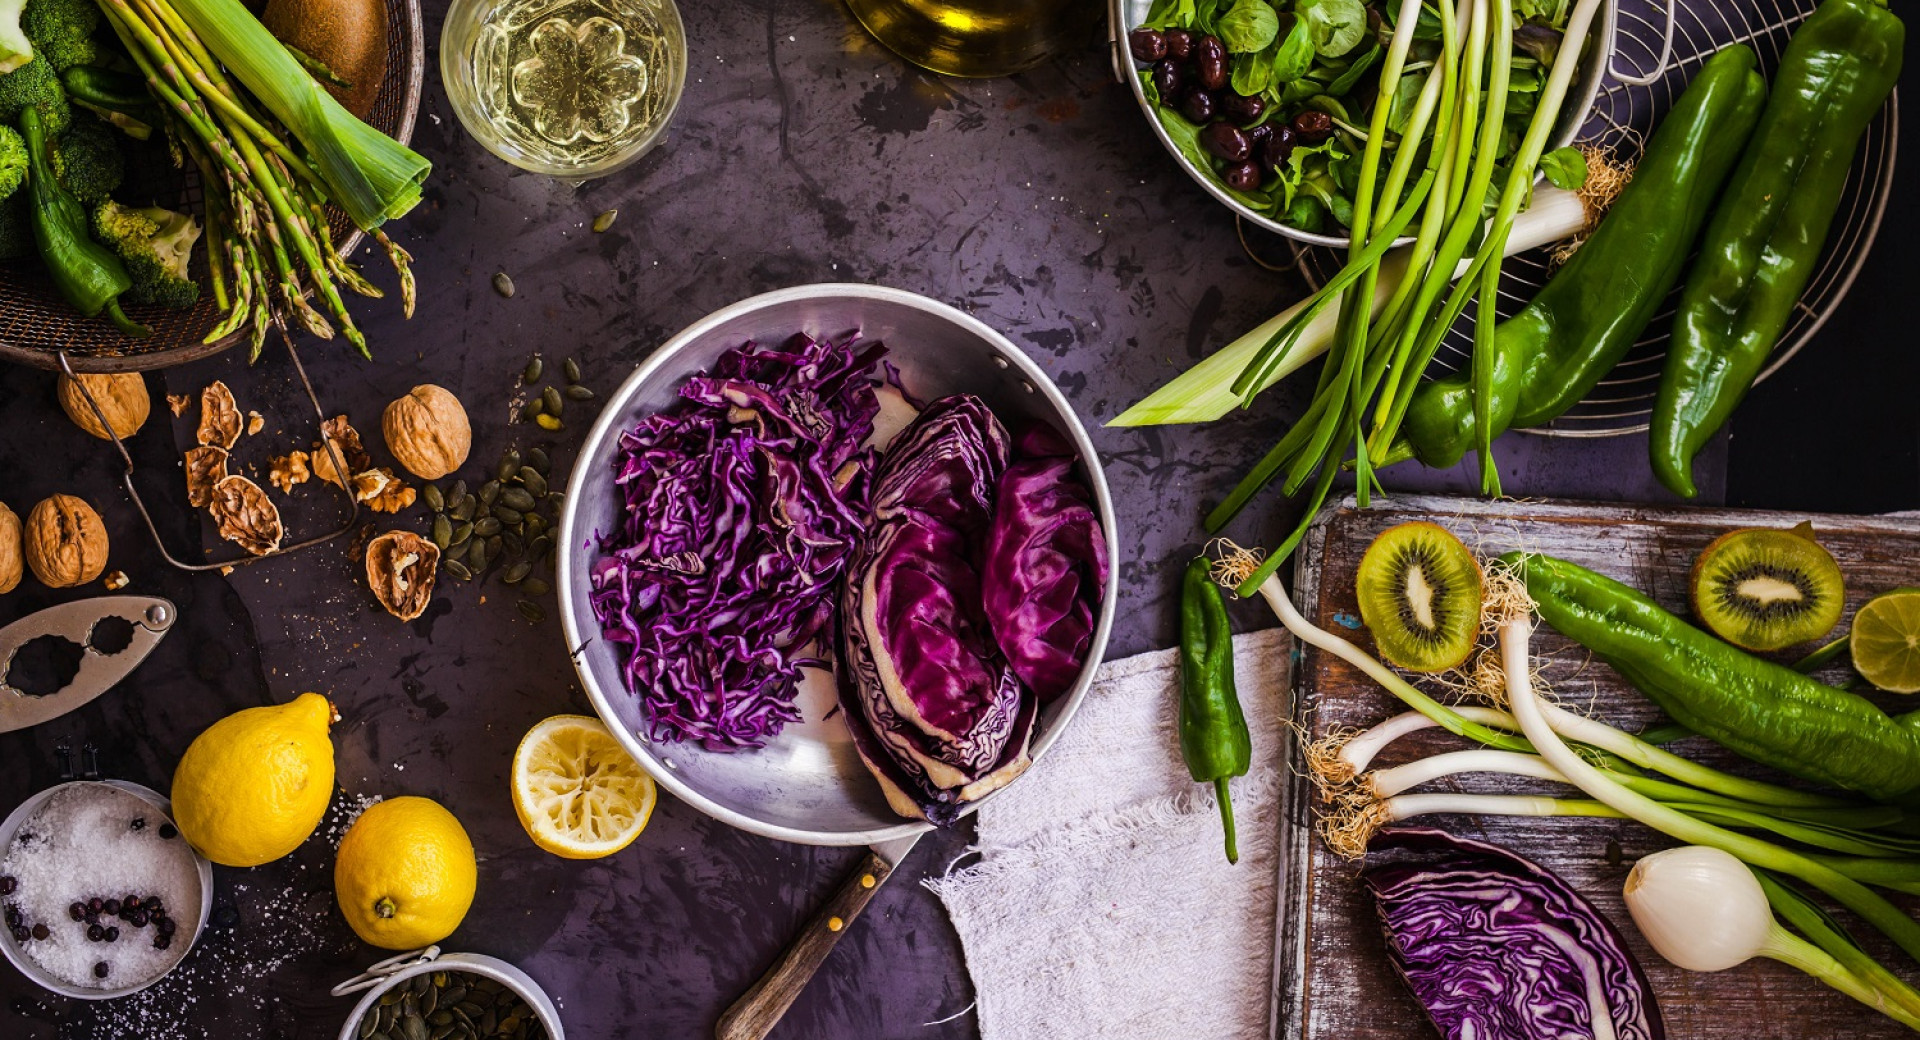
column 667, row 367
column 1125, row 15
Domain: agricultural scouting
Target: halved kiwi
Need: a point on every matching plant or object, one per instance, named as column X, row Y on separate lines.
column 1420, row 594
column 1762, row 589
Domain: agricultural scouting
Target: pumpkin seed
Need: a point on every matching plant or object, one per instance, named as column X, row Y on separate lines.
column 502, row 284
column 537, row 458
column 535, row 524
column 534, row 481
column 531, row 611
column 487, row 527
column 550, row 397
column 516, row 572
column 496, row 547
column 515, row 544
column 463, row 509
column 508, row 515
column 413, row 1028
column 390, row 998
column 455, row 993
column 556, row 499
column 431, row 495
column 445, row 1032
column 490, row 1022
column 430, row 1000
column 441, row 978
column 605, row 220
column 440, row 1018
column 442, row 531
column 531, row 374
column 368, row 1025
column 534, row 587
column 458, row 570
column 461, row 532
column 509, row 464
column 457, row 491
column 517, row 498
column 532, row 409
column 572, row 370
column 549, row 422
column 538, row 548
column 477, row 556
column 489, row 492
column 579, row 393
column 387, row 1015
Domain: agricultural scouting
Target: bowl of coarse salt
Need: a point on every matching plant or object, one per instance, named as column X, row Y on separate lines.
column 102, row 896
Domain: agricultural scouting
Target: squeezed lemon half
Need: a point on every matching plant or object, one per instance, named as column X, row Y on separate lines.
column 577, row 791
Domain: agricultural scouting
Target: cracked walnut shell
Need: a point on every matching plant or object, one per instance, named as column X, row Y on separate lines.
column 427, row 431
column 206, row 466
column 10, row 562
column 247, row 517
column 122, row 398
column 220, row 421
column 345, row 438
column 401, row 567
column 65, row 541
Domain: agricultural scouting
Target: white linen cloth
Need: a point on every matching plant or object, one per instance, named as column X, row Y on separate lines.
column 1102, row 904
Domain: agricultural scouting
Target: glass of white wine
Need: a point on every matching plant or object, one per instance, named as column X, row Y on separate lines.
column 978, row 38
column 571, row 88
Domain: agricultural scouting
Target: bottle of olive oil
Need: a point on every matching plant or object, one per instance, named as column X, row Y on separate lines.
column 978, row 37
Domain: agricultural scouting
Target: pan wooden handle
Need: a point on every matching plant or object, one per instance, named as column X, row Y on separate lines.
column 758, row 1010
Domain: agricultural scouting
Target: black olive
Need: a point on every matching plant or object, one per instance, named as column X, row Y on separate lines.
column 1257, row 136
column 1313, row 126
column 1147, row 44
column 1208, row 47
column 1179, row 44
column 1242, row 109
column 1197, row 106
column 1279, row 147
column 1226, row 141
column 1168, row 78
column 1209, row 63
column 1242, row 177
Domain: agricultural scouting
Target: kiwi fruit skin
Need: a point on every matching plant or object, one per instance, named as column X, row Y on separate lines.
column 348, row 36
column 1810, row 591
column 1438, row 632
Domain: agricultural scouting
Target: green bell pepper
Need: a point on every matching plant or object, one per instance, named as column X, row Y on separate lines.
column 1766, row 237
column 88, row 275
column 1214, row 739
column 1559, row 347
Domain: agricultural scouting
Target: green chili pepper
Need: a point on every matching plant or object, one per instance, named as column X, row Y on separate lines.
column 86, row 273
column 1764, row 711
column 1558, row 348
column 1213, row 731
column 1767, row 235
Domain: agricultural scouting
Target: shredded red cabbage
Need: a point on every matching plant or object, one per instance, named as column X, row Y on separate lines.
column 743, row 504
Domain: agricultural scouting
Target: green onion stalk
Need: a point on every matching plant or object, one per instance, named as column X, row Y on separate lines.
column 270, row 158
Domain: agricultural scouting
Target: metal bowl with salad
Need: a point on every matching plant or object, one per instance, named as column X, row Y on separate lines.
column 1267, row 104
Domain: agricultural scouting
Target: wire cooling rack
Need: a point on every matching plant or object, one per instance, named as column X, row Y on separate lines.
column 1648, row 71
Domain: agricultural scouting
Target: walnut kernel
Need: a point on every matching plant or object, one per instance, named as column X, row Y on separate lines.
column 287, row 470
column 66, row 544
column 179, row 403
column 255, row 423
column 427, row 430
column 219, row 417
column 122, row 397
column 401, row 567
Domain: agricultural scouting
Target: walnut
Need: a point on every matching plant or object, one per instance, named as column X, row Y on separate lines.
column 10, row 562
column 219, row 417
column 401, row 567
column 117, row 580
column 122, row 397
column 347, row 439
column 206, row 466
column 427, row 431
column 179, row 403
column 246, row 515
column 392, row 498
column 288, row 470
column 255, row 423
column 66, row 542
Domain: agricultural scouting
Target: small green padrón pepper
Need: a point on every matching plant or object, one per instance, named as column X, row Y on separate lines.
column 1213, row 731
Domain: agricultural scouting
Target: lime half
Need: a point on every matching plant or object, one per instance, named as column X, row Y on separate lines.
column 1886, row 641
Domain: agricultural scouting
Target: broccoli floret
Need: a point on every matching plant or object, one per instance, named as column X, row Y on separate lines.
column 88, row 161
column 34, row 83
column 16, row 234
column 61, row 31
column 156, row 245
column 13, row 161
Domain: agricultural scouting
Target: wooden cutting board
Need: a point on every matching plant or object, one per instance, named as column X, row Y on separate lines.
column 1332, row 977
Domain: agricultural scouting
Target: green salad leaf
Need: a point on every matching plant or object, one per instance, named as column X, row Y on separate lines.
column 1566, row 168
column 1248, row 27
column 1337, row 26
column 1293, row 58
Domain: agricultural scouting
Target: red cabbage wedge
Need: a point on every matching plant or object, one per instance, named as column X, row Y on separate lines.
column 1495, row 946
column 743, row 504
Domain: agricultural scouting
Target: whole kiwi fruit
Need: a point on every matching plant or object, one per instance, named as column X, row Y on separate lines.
column 1765, row 589
column 1420, row 594
column 349, row 37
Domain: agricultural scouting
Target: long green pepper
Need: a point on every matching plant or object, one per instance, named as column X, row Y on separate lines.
column 1765, row 241
column 1764, row 711
column 1213, row 731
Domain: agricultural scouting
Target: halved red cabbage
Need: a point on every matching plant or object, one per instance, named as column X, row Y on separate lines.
column 743, row 505
column 1495, row 946
column 936, row 712
column 1046, row 564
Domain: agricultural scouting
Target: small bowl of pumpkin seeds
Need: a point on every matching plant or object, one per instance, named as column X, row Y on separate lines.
column 427, row 995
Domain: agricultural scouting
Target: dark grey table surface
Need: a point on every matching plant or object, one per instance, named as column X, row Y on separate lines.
column 803, row 152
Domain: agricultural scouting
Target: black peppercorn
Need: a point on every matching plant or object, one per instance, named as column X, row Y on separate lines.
column 95, row 933
column 40, row 932
column 168, row 832
column 111, row 908
column 77, row 911
column 113, row 933
column 21, row 934
column 101, row 969
column 8, row 884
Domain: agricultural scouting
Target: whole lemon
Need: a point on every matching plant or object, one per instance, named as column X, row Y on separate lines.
column 254, row 785
column 406, row 873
